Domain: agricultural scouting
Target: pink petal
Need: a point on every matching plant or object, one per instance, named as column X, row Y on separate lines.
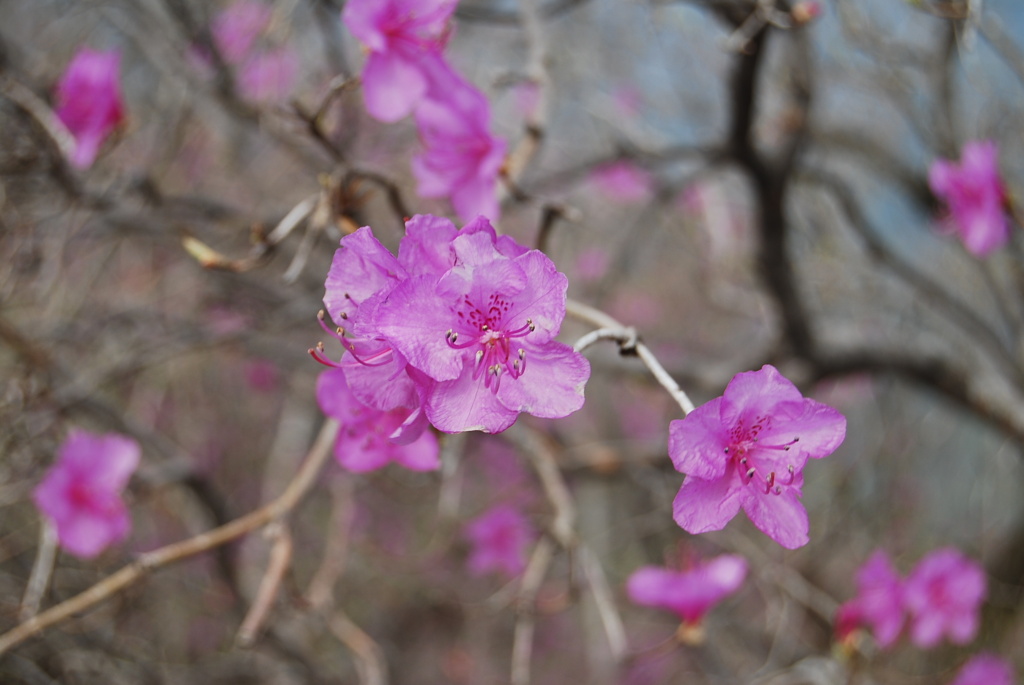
column 392, row 85
column 705, row 505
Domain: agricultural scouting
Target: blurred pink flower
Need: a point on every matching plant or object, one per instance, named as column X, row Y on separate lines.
column 527, row 98
column 370, row 438
column 262, row 375
column 985, row 669
column 805, row 11
column 404, row 38
column 879, row 602
column 627, row 100
column 461, row 159
column 81, row 493
column 499, row 538
column 623, row 181
column 747, row 449
column 974, row 193
column 689, row 594
column 269, row 76
column 235, row 28
column 943, row 594
column 89, row 102
column 592, row 263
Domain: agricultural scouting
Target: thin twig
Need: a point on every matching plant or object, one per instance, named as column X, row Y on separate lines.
column 280, row 559
column 611, row 329
column 522, row 639
column 150, row 561
column 610, row 619
column 42, row 569
column 370, row 661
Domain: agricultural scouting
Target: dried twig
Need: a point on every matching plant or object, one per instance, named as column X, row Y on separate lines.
column 277, row 566
column 41, row 570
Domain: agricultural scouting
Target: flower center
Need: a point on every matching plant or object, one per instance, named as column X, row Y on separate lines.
column 746, row 451
column 486, row 330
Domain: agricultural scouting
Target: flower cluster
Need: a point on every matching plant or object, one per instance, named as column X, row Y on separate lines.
column 974, row 193
column 81, row 494
column 747, row 449
column 985, row 669
column 457, row 330
column 499, row 539
column 941, row 597
column 89, row 102
column 406, row 73
column 689, row 594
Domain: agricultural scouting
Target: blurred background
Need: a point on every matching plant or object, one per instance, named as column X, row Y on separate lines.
column 741, row 183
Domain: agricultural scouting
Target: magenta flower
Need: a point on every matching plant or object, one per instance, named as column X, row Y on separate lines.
column 878, row 604
column 404, row 38
column 985, row 669
column 499, row 538
column 236, row 28
column 89, row 102
column 369, row 438
column 943, row 595
column 689, row 594
column 81, row 493
column 623, row 181
column 461, row 159
column 269, row 76
column 747, row 449
column 974, row 193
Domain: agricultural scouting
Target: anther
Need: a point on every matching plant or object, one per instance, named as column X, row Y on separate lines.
column 480, row 357
column 750, row 473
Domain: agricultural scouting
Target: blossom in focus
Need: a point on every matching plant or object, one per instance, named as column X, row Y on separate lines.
column 499, row 538
column 985, row 669
column 689, row 594
column 461, row 160
column 236, row 28
column 81, row 493
column 89, row 102
column 369, row 438
column 943, row 595
column 878, row 604
column 974, row 193
column 403, row 37
column 747, row 449
column 623, row 181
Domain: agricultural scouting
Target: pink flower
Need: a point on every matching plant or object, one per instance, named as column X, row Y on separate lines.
column 269, row 76
column 879, row 602
column 499, row 538
column 89, row 102
column 592, row 263
column 975, row 196
column 369, row 438
column 985, row 669
column 623, row 181
column 236, row 28
column 747, row 449
column 943, row 595
column 404, row 38
column 81, row 494
column 461, row 159
column 689, row 594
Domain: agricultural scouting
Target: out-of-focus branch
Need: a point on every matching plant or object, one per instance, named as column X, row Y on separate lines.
column 522, row 639
column 41, row 570
column 280, row 559
column 151, row 561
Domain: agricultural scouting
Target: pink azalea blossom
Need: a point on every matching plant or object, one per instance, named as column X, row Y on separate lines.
column 985, row 669
column 461, row 159
column 404, row 38
column 592, row 263
column 269, row 76
column 943, row 594
column 81, row 493
column 499, row 538
column 974, row 193
column 236, row 28
column 878, row 604
column 623, row 181
column 461, row 321
column 369, row 438
column 689, row 594
column 747, row 449
column 89, row 102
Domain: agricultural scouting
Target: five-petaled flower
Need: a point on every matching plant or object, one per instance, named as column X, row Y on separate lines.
column 878, row 604
column 943, row 594
column 985, row 669
column 81, row 493
column 404, row 39
column 689, row 594
column 974, row 193
column 499, row 538
column 89, row 102
column 747, row 449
